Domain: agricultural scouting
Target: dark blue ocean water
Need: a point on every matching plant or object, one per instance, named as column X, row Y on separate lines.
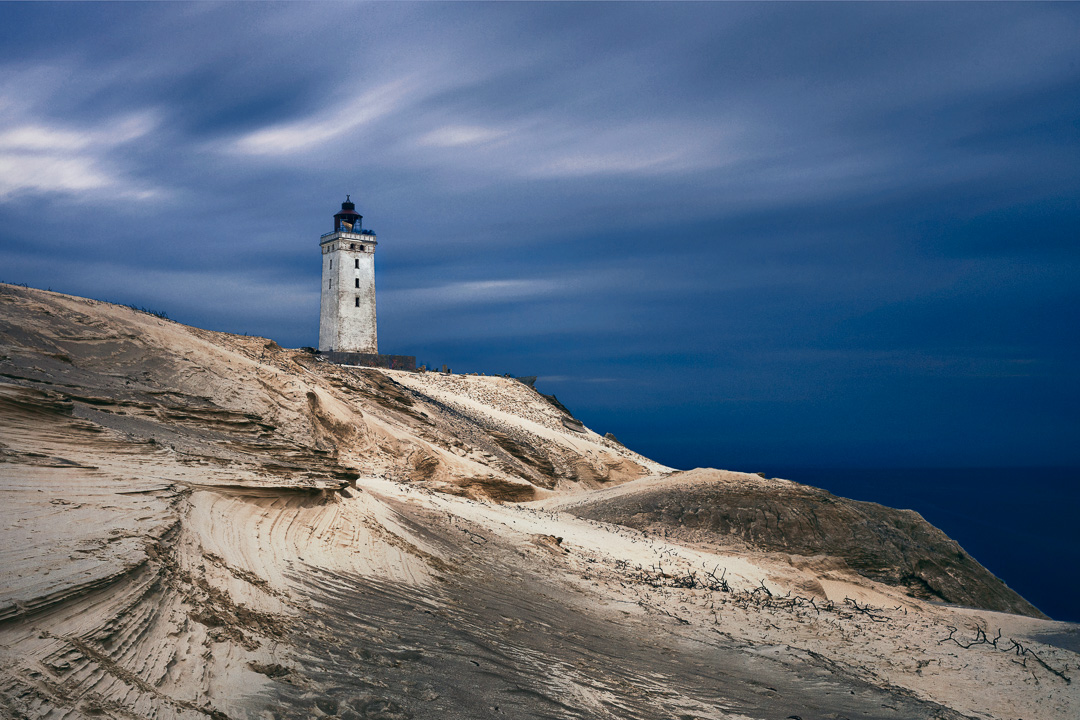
column 1022, row 524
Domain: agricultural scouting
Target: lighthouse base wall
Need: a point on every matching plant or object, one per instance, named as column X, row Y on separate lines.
column 388, row 362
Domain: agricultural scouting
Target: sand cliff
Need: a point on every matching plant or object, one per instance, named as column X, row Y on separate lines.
column 199, row 524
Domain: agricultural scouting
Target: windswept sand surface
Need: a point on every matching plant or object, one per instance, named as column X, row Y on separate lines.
column 205, row 525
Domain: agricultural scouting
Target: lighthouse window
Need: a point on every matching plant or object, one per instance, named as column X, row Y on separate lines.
column 329, row 284
column 361, row 248
column 357, row 301
column 331, row 264
column 352, row 246
column 358, row 262
column 357, row 282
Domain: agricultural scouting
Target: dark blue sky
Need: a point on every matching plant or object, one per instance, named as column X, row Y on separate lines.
column 735, row 235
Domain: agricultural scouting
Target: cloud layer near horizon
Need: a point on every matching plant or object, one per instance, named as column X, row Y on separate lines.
column 732, row 234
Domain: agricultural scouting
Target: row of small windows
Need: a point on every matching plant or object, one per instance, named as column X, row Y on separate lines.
column 352, row 246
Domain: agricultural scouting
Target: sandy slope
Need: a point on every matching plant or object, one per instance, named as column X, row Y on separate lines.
column 205, row 525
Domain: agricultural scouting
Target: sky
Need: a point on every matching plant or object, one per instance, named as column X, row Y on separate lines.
column 734, row 235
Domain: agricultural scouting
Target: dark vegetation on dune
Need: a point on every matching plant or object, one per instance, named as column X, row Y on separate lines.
column 897, row 547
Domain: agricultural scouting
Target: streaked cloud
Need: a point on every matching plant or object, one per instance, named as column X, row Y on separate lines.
column 629, row 162
column 461, row 136
column 36, row 157
column 339, row 118
column 473, row 292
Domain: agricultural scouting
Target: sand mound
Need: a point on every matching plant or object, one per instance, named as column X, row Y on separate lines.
column 207, row 525
column 718, row 509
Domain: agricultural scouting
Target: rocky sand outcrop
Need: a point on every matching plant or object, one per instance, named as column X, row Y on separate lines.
column 199, row 524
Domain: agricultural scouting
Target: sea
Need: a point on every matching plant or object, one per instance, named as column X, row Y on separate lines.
column 1022, row 524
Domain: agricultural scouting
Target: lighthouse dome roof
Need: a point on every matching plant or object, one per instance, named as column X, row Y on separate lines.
column 348, row 208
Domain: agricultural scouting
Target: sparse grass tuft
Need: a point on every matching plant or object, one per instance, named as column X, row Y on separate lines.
column 156, row 313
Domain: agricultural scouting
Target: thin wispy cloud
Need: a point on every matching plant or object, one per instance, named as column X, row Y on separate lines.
column 341, row 117
column 615, row 163
column 461, row 136
column 539, row 147
column 474, row 292
column 37, row 157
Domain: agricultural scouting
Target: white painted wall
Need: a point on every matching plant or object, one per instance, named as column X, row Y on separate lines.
column 343, row 326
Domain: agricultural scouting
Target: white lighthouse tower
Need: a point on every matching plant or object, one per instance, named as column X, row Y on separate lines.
column 347, row 315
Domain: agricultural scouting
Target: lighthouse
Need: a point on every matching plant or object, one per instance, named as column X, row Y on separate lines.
column 347, row 313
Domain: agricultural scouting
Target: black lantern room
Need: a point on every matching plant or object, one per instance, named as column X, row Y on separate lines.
column 348, row 215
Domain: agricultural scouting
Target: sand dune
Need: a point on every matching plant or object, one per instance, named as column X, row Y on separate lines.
column 199, row 524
